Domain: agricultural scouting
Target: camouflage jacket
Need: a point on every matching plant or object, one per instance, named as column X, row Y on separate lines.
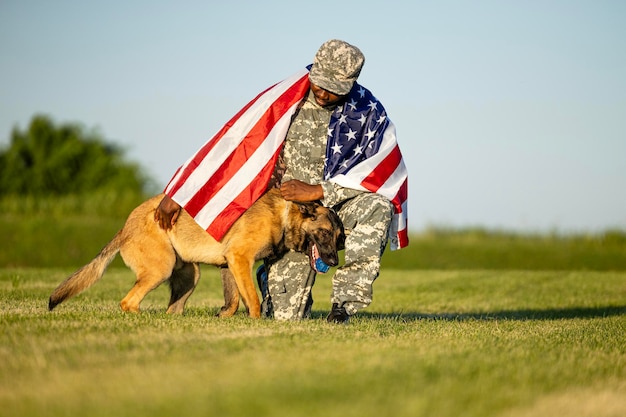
column 305, row 150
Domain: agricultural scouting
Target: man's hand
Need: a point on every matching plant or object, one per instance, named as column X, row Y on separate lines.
column 295, row 190
column 167, row 213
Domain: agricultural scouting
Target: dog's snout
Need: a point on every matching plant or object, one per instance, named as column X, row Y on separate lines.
column 331, row 258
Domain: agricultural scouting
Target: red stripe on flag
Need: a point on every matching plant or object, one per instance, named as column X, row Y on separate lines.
column 403, row 193
column 399, row 199
column 383, row 171
column 255, row 137
column 206, row 148
column 403, row 238
column 245, row 199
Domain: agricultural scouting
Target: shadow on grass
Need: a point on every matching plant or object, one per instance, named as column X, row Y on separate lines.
column 521, row 315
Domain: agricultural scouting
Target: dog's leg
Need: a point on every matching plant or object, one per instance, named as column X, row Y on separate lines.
column 241, row 268
column 182, row 283
column 146, row 281
column 231, row 294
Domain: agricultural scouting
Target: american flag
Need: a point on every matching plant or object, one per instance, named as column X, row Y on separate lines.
column 233, row 169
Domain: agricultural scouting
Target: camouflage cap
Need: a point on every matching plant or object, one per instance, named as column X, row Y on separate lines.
column 336, row 66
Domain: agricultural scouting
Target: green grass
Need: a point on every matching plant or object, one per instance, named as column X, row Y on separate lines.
column 464, row 323
column 494, row 249
column 434, row 343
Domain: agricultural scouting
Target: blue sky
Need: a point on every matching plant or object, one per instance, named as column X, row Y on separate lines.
column 510, row 114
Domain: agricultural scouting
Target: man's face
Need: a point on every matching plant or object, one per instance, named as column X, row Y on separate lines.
column 324, row 97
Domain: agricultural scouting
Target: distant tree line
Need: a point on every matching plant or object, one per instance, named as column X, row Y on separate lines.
column 50, row 160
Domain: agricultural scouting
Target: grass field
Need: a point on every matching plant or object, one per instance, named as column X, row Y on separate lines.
column 438, row 343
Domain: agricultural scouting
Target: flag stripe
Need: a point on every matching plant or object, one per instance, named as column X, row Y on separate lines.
column 383, row 171
column 247, row 177
column 399, row 222
column 211, row 157
column 183, row 173
column 241, row 203
column 217, row 164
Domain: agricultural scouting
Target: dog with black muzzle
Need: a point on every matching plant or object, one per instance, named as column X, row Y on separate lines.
column 269, row 228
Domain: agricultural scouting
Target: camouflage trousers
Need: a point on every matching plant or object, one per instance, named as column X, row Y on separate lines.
column 366, row 219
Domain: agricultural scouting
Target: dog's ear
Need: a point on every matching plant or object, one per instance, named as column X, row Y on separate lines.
column 308, row 209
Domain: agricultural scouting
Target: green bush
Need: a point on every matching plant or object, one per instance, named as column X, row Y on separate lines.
column 46, row 160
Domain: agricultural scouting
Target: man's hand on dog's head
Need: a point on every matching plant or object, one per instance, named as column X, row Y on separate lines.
column 295, row 190
column 166, row 213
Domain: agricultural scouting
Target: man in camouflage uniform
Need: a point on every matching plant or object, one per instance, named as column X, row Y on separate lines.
column 366, row 216
column 286, row 283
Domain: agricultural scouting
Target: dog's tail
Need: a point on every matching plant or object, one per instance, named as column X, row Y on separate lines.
column 88, row 275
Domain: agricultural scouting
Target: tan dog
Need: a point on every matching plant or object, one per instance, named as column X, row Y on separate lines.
column 271, row 227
